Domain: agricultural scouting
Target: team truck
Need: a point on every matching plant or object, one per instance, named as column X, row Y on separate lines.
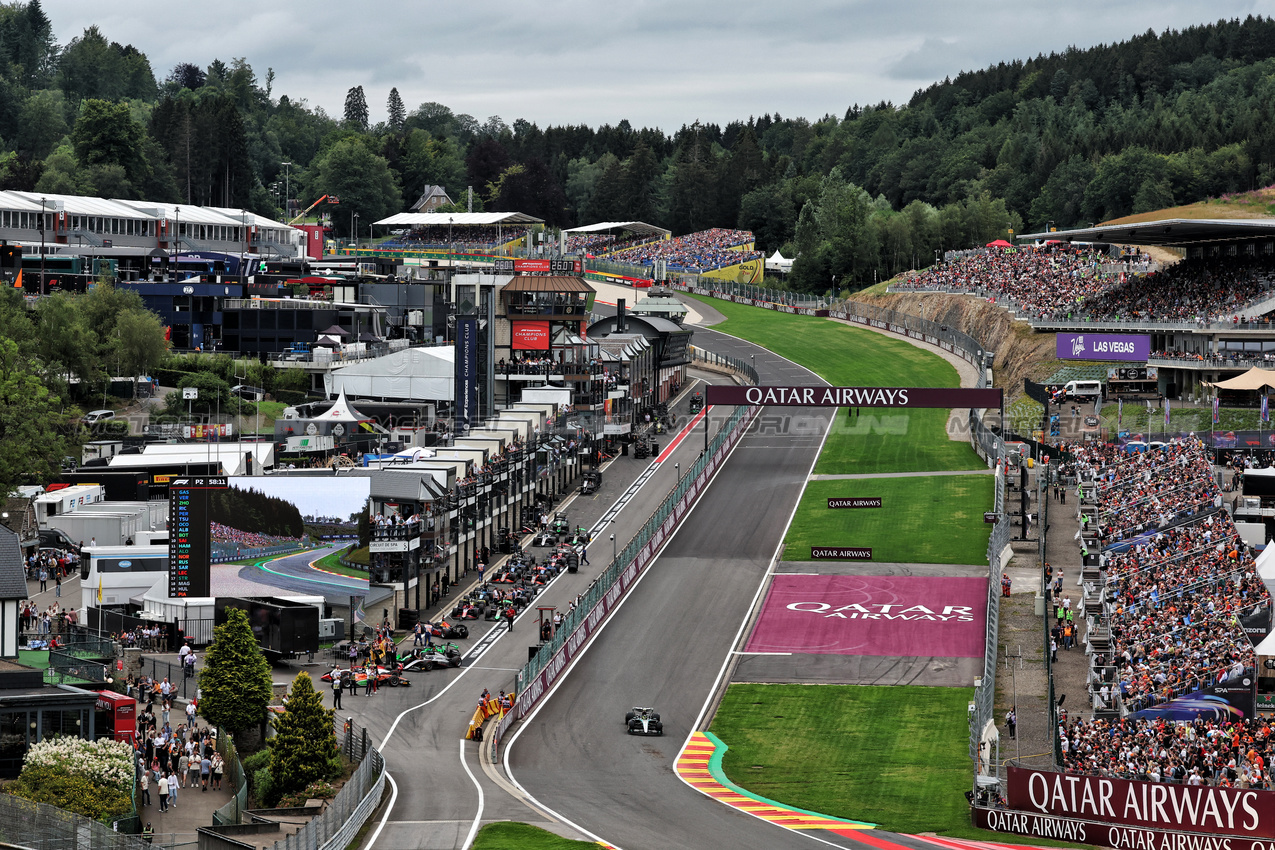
column 283, row 628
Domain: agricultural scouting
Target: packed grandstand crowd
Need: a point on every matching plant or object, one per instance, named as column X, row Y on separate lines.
column 228, row 536
column 1178, row 581
column 702, row 251
column 1061, row 282
column 599, row 244
column 467, row 237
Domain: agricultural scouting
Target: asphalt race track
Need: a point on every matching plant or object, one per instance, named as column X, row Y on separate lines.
column 294, row 575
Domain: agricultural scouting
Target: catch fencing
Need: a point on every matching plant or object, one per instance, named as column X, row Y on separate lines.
column 345, row 815
column 233, row 774
column 39, row 826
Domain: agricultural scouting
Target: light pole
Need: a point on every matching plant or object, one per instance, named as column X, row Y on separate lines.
column 354, row 229
column 243, row 250
column 287, row 189
column 677, row 467
column 614, row 554
column 42, row 247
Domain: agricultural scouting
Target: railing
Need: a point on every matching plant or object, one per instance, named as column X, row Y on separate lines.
column 336, row 826
column 733, row 363
column 223, row 552
column 985, row 692
column 65, row 665
column 38, row 826
column 182, row 686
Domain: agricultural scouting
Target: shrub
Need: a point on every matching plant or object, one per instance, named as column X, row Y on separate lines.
column 263, row 787
column 103, row 762
column 313, row 791
column 304, row 743
column 73, row 792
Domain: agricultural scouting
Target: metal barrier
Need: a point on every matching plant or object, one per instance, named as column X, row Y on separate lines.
column 345, row 815
column 985, row 690
column 181, row 686
column 232, row 773
column 66, row 665
column 733, row 363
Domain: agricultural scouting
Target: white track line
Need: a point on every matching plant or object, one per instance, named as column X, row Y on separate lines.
column 473, row 830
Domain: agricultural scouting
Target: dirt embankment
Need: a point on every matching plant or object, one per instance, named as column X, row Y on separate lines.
column 1020, row 351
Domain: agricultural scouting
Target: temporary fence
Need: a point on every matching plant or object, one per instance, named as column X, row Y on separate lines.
column 65, row 665
column 985, row 689
column 232, row 774
column 605, row 593
column 38, row 826
column 180, row 685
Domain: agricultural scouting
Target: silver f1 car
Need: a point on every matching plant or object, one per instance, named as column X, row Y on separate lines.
column 643, row 721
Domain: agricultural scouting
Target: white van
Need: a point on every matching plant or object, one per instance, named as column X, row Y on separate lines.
column 1083, row 389
column 95, row 417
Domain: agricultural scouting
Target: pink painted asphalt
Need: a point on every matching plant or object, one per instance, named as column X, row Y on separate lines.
column 891, row 616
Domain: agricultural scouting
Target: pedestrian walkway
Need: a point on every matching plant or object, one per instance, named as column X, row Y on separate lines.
column 855, row 475
column 194, row 808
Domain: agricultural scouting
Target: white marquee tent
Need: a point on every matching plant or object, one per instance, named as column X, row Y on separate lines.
column 413, row 374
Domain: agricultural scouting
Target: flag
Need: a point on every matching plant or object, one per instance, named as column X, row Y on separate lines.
column 1166, row 410
column 1216, row 416
column 17, row 281
column 99, row 589
column 1119, row 412
column 1266, row 409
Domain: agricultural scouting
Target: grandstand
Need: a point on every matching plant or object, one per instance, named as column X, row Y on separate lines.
column 457, row 232
column 605, row 237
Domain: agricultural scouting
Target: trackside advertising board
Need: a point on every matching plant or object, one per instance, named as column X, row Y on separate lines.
column 535, row 690
column 905, row 397
column 1087, row 346
column 1127, row 814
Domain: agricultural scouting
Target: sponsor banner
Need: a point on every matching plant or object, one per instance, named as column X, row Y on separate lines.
column 559, row 266
column 883, row 616
column 1148, row 805
column 530, row 336
column 1088, row 346
column 543, row 681
column 908, row 397
column 840, row 553
column 1109, row 835
column 870, row 502
column 466, row 385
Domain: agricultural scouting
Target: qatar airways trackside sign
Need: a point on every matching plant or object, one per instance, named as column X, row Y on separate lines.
column 855, row 396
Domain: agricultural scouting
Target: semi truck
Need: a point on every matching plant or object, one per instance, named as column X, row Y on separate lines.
column 283, row 628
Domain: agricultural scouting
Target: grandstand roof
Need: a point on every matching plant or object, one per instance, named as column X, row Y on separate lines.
column 631, row 226
column 537, row 283
column 1169, row 231
column 425, row 219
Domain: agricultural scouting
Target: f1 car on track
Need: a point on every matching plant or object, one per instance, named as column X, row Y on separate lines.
column 644, row 721
column 384, row 676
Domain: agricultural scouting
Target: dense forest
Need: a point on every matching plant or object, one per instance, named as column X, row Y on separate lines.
column 1070, row 138
column 254, row 511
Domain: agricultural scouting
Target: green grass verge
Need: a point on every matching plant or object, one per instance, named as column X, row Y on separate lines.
column 332, row 563
column 929, row 520
column 876, row 440
column 521, row 836
column 896, row 756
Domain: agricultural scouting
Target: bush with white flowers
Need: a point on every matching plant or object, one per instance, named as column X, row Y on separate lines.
column 103, row 762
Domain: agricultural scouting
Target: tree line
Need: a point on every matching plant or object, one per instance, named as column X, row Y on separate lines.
column 1071, row 138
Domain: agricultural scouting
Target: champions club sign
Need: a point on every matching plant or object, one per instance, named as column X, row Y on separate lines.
column 905, row 397
column 1139, row 815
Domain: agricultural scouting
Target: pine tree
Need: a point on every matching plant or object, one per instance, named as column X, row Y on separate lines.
column 356, row 108
column 305, row 742
column 397, row 112
column 235, row 685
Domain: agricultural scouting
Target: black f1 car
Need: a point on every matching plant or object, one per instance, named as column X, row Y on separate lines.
column 644, row 721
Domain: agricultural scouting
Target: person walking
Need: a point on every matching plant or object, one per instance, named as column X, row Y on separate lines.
column 145, row 783
column 163, row 792
column 205, row 772
column 44, row 578
column 57, row 581
column 172, row 790
column 218, row 768
column 1053, row 650
column 509, row 617
column 336, row 688
column 1011, row 722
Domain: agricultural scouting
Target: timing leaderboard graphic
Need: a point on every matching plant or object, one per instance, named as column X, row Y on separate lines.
column 189, row 538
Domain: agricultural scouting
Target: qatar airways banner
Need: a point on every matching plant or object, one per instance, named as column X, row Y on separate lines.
column 1147, row 805
column 855, row 396
column 1087, row 346
column 884, row 616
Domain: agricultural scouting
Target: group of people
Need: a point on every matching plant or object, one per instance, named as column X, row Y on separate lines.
column 1058, row 281
column 226, row 534
column 701, row 251
column 1179, row 580
column 49, row 620
column 45, row 565
column 1229, row 753
column 451, row 236
column 169, row 759
column 591, row 244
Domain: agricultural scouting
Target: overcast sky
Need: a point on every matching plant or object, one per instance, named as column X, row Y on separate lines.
column 655, row 62
column 328, row 497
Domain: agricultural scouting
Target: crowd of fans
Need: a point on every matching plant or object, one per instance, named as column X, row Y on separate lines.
column 1062, row 282
column 702, row 251
column 229, row 536
column 603, row 243
column 1179, row 580
column 465, row 237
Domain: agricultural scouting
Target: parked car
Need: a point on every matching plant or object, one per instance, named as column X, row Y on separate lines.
column 96, row 417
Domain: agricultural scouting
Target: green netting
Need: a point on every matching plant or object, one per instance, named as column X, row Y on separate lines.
column 1080, row 372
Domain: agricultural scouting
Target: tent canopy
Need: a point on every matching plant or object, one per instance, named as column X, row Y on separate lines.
column 1253, row 379
column 413, row 374
column 999, row 243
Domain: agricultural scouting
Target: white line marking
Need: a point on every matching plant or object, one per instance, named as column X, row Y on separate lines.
column 473, row 830
column 389, row 807
column 742, row 652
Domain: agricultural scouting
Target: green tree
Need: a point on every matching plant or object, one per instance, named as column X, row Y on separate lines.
column 356, row 108
column 106, row 134
column 360, row 178
column 140, row 342
column 397, row 111
column 304, row 744
column 33, row 436
column 235, row 685
column 43, row 124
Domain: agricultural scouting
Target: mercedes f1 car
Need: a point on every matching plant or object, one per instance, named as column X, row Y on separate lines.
column 643, row 721
column 432, row 657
